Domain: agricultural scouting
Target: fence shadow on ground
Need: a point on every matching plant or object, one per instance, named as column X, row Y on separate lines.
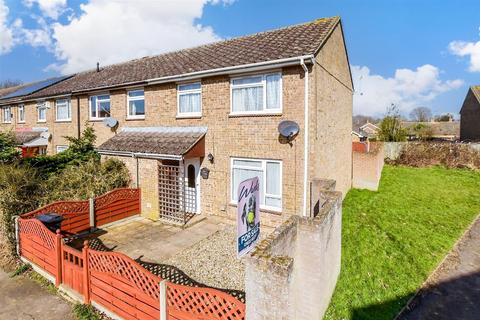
column 450, row 300
column 164, row 271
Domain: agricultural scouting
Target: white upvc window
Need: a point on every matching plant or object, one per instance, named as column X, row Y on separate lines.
column 21, row 113
column 269, row 173
column 99, row 106
column 61, row 148
column 7, row 114
column 42, row 111
column 189, row 100
column 63, row 110
column 136, row 104
column 256, row 94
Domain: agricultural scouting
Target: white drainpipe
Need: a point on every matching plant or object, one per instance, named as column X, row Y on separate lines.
column 305, row 156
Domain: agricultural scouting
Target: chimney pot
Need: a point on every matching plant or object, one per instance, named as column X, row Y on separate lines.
column 98, row 66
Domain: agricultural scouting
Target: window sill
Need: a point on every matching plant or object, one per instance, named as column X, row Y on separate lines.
column 262, row 209
column 134, row 118
column 41, row 121
column 21, row 122
column 63, row 121
column 254, row 114
column 96, row 119
column 7, row 122
column 189, row 116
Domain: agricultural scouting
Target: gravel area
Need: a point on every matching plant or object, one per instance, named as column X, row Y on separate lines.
column 213, row 261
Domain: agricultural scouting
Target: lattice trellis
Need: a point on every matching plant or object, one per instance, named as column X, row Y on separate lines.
column 210, row 303
column 60, row 207
column 33, row 227
column 120, row 265
column 115, row 195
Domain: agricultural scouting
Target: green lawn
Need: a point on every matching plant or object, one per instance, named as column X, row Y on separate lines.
column 394, row 238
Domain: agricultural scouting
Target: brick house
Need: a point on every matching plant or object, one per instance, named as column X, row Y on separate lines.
column 470, row 115
column 191, row 124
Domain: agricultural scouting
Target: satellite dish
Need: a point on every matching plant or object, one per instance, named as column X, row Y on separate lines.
column 288, row 129
column 110, row 122
column 45, row 135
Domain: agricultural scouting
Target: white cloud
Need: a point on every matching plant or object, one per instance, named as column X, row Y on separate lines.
column 467, row 49
column 407, row 89
column 34, row 37
column 6, row 34
column 49, row 8
column 115, row 31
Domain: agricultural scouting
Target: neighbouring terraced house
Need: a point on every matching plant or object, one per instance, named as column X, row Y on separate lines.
column 192, row 124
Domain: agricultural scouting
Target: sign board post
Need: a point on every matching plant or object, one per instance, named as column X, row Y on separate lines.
column 248, row 215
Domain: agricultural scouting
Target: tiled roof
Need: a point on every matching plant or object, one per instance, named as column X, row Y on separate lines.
column 155, row 140
column 289, row 42
column 439, row 129
column 476, row 91
column 26, row 136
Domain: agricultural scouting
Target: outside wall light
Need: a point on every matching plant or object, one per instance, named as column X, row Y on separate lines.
column 210, row 157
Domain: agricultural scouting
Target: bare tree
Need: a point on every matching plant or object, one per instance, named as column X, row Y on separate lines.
column 421, row 114
column 7, row 83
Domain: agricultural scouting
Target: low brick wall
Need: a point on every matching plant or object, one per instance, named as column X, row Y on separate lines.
column 368, row 163
column 293, row 272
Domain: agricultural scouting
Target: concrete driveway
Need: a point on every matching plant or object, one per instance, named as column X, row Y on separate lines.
column 23, row 299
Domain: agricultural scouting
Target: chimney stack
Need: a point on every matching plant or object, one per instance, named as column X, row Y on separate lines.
column 98, row 66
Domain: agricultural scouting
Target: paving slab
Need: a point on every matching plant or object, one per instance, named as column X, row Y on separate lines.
column 453, row 290
column 22, row 298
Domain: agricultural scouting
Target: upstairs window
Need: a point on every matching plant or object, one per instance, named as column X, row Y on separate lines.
column 61, row 148
column 7, row 114
column 269, row 173
column 190, row 99
column 42, row 111
column 63, row 110
column 257, row 94
column 99, row 107
column 21, row 113
column 136, row 104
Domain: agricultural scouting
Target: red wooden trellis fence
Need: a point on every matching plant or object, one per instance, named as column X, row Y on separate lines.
column 115, row 281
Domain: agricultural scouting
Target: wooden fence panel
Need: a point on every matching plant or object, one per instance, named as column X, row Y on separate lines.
column 123, row 286
column 73, row 268
column 38, row 244
column 193, row 303
column 117, row 204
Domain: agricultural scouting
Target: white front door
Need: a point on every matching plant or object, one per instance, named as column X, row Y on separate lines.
column 192, row 185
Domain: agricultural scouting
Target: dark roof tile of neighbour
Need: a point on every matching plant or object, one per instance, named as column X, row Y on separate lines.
column 174, row 141
column 289, row 42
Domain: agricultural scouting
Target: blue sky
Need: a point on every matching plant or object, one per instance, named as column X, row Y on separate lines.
column 412, row 53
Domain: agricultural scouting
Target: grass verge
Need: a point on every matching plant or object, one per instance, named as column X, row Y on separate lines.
column 85, row 312
column 394, row 238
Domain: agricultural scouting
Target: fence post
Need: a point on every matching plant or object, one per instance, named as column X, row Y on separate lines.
column 86, row 283
column 163, row 300
column 17, row 236
column 91, row 202
column 58, row 279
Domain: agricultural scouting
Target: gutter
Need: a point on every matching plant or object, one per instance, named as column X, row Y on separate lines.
column 140, row 155
column 305, row 155
column 234, row 69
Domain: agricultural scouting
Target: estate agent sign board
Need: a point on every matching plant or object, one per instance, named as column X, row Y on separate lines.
column 248, row 215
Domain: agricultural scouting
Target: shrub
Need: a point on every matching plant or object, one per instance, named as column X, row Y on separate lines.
column 80, row 150
column 391, row 127
column 450, row 155
column 8, row 148
column 21, row 189
column 85, row 312
column 88, row 179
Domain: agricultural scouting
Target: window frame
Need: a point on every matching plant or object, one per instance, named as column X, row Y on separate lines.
column 135, row 117
column 19, row 120
column 69, row 105
column 42, row 105
column 64, row 147
column 264, row 111
column 97, row 118
column 4, row 109
column 264, row 187
column 185, row 92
